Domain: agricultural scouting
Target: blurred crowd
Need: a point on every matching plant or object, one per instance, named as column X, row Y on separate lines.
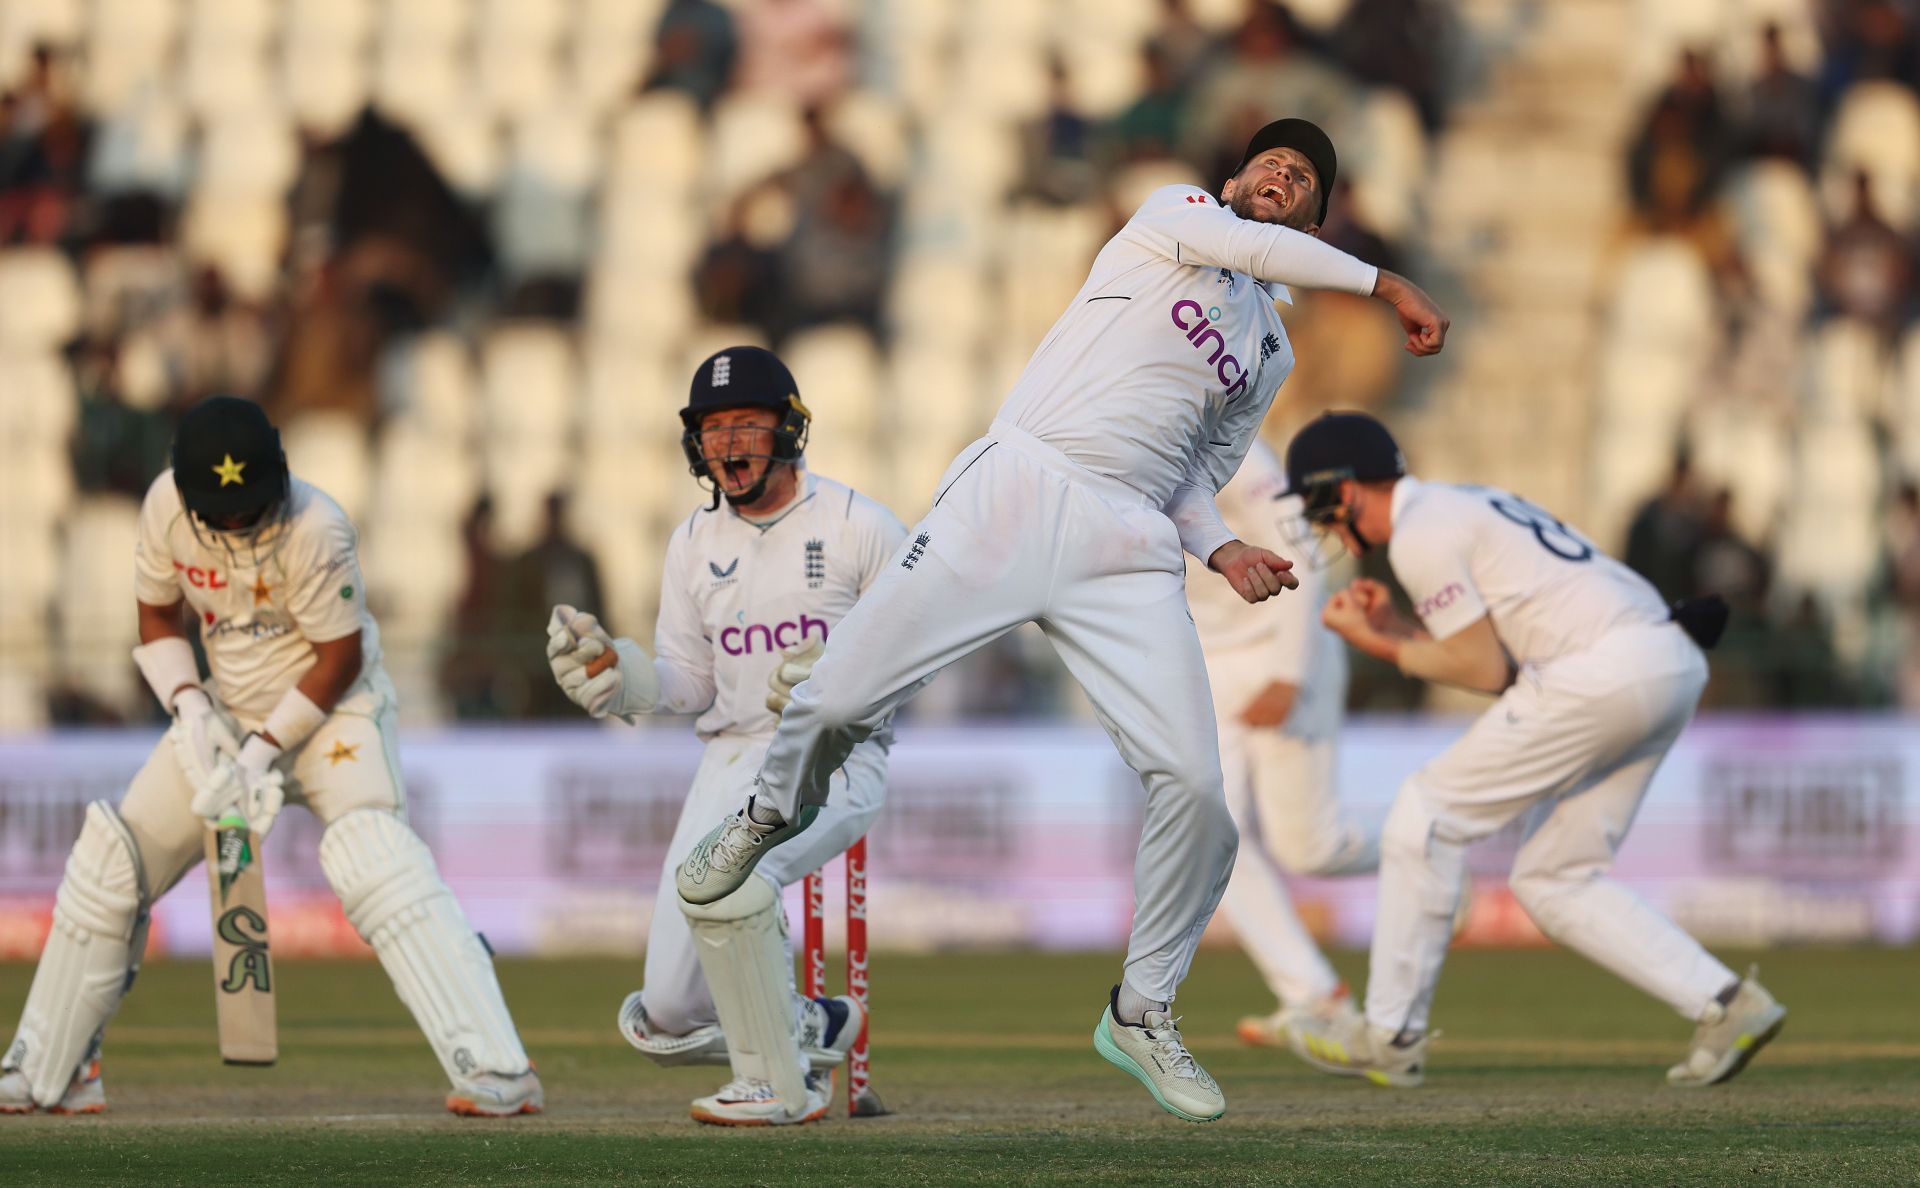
column 466, row 252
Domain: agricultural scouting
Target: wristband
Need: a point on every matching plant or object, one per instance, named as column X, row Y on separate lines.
column 293, row 719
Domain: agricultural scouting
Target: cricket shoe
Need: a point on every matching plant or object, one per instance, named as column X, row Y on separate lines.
column 722, row 860
column 86, row 1093
column 1345, row 1045
column 1270, row 1031
column 496, row 1095
column 1728, row 1036
column 751, row 1102
column 703, row 1045
column 1155, row 1054
column 829, row 1028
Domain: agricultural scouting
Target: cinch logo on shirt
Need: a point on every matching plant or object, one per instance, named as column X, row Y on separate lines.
column 1199, row 327
column 739, row 641
column 1447, row 596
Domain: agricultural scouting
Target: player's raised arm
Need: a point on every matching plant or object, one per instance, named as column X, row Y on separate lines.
column 1266, row 223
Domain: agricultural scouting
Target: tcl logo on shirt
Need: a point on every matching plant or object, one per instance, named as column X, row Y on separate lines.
column 202, row 579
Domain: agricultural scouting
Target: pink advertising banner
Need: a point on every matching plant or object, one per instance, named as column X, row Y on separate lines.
column 1756, row 831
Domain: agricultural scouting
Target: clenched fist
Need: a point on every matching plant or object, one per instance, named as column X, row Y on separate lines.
column 1256, row 574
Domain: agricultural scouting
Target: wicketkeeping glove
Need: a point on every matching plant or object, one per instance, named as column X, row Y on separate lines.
column 796, row 665
column 575, row 640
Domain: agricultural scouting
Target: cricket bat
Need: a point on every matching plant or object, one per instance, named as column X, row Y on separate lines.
column 242, row 968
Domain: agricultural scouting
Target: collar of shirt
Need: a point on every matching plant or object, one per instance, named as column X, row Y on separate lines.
column 802, row 492
column 1403, row 493
column 1277, row 291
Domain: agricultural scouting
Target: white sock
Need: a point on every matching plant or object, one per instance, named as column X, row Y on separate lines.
column 760, row 814
column 1132, row 1007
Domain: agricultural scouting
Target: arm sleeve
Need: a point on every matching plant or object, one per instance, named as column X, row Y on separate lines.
column 325, row 595
column 682, row 655
column 1430, row 560
column 1188, row 226
column 155, row 581
column 1223, row 446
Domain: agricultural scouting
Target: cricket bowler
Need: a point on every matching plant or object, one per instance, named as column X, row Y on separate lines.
column 1071, row 512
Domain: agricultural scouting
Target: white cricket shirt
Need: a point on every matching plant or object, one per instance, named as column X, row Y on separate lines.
column 1466, row 551
column 735, row 594
column 261, row 606
column 1281, row 639
column 1161, row 370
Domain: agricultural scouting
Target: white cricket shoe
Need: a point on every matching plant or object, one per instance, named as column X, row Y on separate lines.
column 1729, row 1036
column 1345, row 1045
column 1155, row 1054
column 1270, row 1031
column 702, row 1045
column 748, row 1102
column 721, row 861
column 496, row 1095
column 829, row 1028
column 86, row 1093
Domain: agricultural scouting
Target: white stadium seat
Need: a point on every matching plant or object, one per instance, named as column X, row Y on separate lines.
column 657, row 140
column 419, row 80
column 330, row 450
column 430, row 381
column 219, row 77
column 838, row 370
column 465, row 149
column 248, row 153
column 333, row 22
column 753, row 136
column 1850, row 373
column 325, row 85
column 529, row 382
column 39, row 298
column 142, row 145
column 242, row 236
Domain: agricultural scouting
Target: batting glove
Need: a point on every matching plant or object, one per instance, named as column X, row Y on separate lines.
column 204, row 729
column 247, row 784
column 796, row 665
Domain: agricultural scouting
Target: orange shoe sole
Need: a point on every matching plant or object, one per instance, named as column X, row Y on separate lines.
column 467, row 1108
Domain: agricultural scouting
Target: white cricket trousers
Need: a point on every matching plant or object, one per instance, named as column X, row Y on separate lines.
column 1573, row 745
column 1019, row 533
column 1281, row 790
column 675, row 993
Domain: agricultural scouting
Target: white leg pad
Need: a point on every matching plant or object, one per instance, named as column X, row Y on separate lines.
column 91, row 956
column 391, row 891
column 742, row 943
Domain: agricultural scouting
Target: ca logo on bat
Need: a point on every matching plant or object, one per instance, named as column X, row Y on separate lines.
column 249, row 963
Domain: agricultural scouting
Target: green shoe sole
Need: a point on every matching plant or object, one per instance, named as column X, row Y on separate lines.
column 1103, row 1043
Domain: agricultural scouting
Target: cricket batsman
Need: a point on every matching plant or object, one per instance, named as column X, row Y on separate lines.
column 1279, row 681
column 1072, row 513
column 753, row 584
column 299, row 710
column 1596, row 678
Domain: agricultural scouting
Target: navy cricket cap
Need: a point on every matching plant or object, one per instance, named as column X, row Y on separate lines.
column 1339, row 446
column 1306, row 138
column 227, row 459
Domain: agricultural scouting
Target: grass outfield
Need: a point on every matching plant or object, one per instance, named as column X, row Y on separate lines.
column 1549, row 1072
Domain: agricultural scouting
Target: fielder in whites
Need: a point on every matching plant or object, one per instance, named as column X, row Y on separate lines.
column 299, row 709
column 750, row 591
column 1279, row 681
column 1072, row 513
column 1597, row 678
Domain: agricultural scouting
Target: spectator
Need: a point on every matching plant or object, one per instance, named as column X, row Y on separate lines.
column 556, row 569
column 1904, row 559
column 835, row 264
column 119, row 444
column 42, row 155
column 795, row 48
column 1781, row 117
column 1149, row 129
column 470, row 672
column 693, row 51
column 1686, row 132
column 1270, row 70
column 1397, row 43
column 215, row 343
column 1184, row 45
column 1866, row 271
column 1056, row 148
column 1667, row 533
column 1727, row 564
column 734, row 281
column 1871, row 39
column 1806, row 674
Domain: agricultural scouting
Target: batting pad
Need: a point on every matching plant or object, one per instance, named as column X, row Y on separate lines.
column 91, row 956
column 742, row 943
column 391, row 891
